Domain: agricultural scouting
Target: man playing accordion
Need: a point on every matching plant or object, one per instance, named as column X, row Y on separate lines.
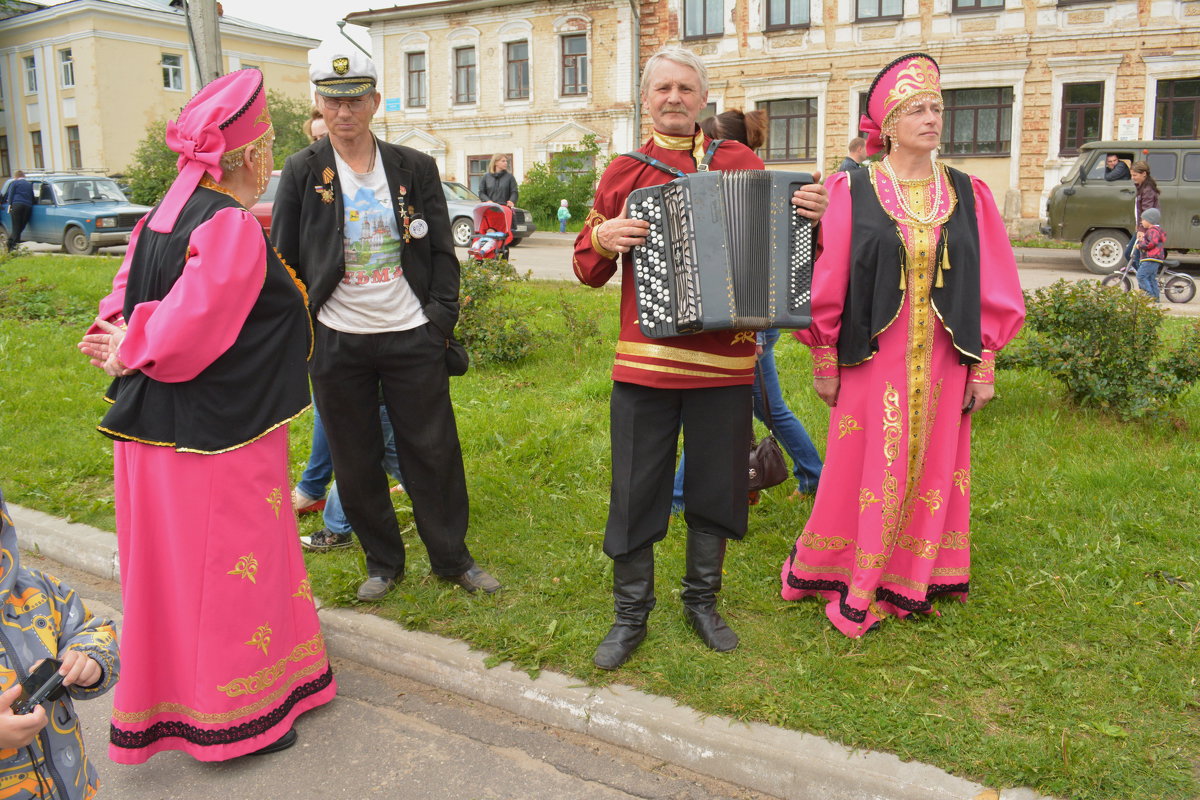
column 701, row 382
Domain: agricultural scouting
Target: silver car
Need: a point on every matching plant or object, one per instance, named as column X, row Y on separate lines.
column 461, row 202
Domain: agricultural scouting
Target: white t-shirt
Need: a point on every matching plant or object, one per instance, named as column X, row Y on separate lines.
column 373, row 296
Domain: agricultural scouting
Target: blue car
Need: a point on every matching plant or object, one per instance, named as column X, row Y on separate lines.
column 79, row 212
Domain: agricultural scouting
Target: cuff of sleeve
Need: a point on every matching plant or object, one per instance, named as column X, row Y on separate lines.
column 825, row 361
column 599, row 248
column 985, row 370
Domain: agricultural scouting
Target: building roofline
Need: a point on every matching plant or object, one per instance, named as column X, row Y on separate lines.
column 424, row 9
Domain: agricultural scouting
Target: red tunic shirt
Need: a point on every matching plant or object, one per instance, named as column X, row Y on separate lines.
column 702, row 360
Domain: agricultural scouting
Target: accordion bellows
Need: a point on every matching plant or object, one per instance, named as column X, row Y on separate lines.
column 726, row 251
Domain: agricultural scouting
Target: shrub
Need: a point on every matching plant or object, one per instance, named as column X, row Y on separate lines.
column 492, row 332
column 1105, row 345
column 571, row 174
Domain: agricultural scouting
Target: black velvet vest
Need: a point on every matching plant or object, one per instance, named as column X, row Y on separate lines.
column 256, row 385
column 874, row 296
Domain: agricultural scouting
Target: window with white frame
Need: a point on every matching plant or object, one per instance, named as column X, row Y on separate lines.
column 66, row 68
column 415, row 68
column 868, row 10
column 574, row 64
column 172, row 71
column 31, row 81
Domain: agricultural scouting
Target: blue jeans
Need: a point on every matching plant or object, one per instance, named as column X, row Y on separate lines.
column 319, row 471
column 334, row 517
column 1147, row 275
column 562, row 226
column 788, row 430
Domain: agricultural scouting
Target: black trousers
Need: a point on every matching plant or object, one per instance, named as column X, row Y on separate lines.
column 349, row 372
column 645, row 432
column 19, row 213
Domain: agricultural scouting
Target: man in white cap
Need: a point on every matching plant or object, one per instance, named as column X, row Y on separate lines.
column 364, row 224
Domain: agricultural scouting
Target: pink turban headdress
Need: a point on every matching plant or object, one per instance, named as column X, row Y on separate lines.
column 908, row 77
column 229, row 113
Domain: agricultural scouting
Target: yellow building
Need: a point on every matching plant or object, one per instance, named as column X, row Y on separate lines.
column 464, row 79
column 82, row 80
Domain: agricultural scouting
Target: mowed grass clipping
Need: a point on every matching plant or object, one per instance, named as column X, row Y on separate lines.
column 1072, row 668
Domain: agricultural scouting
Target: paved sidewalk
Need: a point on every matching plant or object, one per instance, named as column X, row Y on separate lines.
column 782, row 763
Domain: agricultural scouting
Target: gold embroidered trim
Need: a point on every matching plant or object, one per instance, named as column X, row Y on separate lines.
column 823, row 569
column 274, row 500
column 304, row 590
column 824, row 358
column 962, row 479
column 956, row 540
column 594, row 218
column 933, row 499
column 128, row 438
column 261, row 638
column 266, row 677
column 744, row 337
column 866, row 560
column 918, row 547
column 907, row 583
column 892, row 428
column 621, row 362
column 668, row 353
column 814, row 541
column 227, row 716
column 943, row 571
column 600, row 249
column 695, row 143
column 983, row 372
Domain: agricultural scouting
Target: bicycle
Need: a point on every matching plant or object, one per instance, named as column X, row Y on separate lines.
column 1177, row 287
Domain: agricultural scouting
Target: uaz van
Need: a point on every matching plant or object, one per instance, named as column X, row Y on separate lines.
column 1098, row 213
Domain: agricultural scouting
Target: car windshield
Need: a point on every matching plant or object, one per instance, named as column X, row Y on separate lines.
column 90, row 190
column 456, row 191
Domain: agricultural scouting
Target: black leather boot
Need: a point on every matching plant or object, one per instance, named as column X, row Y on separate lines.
column 705, row 556
column 633, row 598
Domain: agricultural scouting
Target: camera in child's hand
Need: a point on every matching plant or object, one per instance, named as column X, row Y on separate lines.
column 43, row 685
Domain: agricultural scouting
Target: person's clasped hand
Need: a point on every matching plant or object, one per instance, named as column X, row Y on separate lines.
column 18, row 730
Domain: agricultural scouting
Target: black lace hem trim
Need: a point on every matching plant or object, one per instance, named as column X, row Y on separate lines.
column 229, row 735
column 858, row 616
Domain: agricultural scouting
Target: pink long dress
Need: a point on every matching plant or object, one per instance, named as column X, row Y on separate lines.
column 890, row 526
column 220, row 645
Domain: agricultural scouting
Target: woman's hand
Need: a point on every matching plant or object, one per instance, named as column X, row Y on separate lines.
column 111, row 364
column 977, row 396
column 827, row 389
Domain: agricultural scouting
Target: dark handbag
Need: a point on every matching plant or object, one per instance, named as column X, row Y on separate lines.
column 767, row 467
column 457, row 359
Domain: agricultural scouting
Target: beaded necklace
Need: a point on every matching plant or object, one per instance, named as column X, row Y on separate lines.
column 905, row 208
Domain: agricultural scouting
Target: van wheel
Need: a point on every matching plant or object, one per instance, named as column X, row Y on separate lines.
column 462, row 230
column 1103, row 250
column 77, row 243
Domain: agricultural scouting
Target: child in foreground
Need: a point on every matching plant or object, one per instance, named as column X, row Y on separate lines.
column 43, row 618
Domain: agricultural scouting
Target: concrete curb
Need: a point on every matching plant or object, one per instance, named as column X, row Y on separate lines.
column 786, row 764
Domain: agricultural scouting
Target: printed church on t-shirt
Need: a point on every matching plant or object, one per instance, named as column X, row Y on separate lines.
column 371, row 240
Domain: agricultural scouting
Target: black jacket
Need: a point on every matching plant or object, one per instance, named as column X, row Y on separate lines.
column 307, row 231
column 498, row 187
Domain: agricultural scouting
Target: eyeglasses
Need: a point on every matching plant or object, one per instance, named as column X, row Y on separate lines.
column 355, row 105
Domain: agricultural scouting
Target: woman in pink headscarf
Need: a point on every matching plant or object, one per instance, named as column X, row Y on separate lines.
column 914, row 292
column 207, row 334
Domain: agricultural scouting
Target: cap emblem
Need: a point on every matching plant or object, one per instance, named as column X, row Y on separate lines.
column 341, row 65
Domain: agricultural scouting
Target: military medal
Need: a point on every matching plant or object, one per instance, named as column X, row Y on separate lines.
column 419, row 228
column 328, row 175
column 325, row 192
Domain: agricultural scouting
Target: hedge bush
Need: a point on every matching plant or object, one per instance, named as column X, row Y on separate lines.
column 1105, row 345
column 488, row 327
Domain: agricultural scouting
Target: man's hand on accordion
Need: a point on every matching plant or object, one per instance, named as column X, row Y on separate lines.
column 811, row 200
column 621, row 234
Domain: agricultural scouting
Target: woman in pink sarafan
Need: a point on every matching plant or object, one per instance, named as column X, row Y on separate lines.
column 915, row 290
column 207, row 334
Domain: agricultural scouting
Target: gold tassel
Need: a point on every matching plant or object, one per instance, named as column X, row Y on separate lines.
column 944, row 261
column 903, row 263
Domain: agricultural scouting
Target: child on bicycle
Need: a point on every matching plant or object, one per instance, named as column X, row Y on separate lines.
column 1151, row 245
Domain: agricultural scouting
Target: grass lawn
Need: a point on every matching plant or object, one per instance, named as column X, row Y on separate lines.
column 1073, row 668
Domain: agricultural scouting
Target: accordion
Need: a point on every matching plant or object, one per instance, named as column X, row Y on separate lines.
column 726, row 251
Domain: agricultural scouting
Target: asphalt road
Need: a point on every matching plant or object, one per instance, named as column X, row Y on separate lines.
column 389, row 737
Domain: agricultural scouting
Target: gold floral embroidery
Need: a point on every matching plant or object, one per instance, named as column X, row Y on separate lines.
column 933, row 499
column 304, row 590
column 261, row 638
column 274, row 500
column 815, row 541
column 865, row 498
column 743, row 336
column 891, row 510
column 944, row 571
column 246, row 567
column 891, row 424
column 962, row 479
column 593, row 218
column 867, row 560
column 918, row 547
column 983, row 372
column 265, row 678
column 823, row 569
column 824, row 358
column 956, row 540
column 847, row 425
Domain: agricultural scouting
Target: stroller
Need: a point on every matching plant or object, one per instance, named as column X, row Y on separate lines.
column 493, row 232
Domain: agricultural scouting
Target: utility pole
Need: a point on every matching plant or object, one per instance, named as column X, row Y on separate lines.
column 205, row 32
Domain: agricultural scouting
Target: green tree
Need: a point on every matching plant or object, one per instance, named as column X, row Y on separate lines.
column 571, row 174
column 153, row 167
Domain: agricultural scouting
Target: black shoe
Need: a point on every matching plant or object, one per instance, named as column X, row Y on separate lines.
column 325, row 540
column 633, row 599
column 372, row 590
column 474, row 579
column 705, row 557
column 282, row 743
